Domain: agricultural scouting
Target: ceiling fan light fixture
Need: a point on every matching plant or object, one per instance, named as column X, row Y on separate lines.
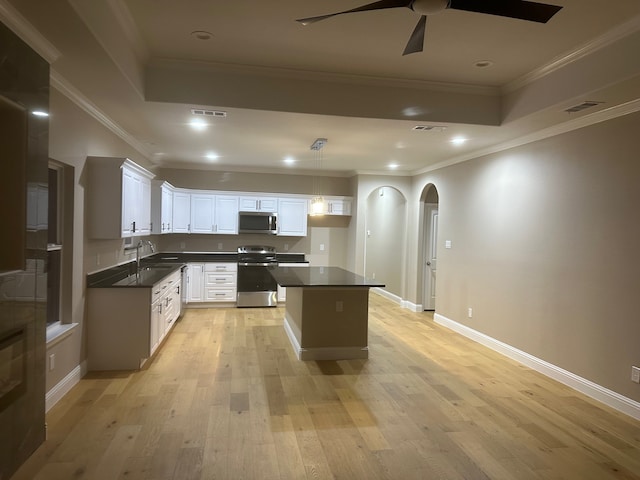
column 429, row 7
column 483, row 63
column 202, row 34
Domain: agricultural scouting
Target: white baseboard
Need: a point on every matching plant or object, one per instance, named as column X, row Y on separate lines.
column 608, row 397
column 54, row 395
column 391, row 296
column 414, row 307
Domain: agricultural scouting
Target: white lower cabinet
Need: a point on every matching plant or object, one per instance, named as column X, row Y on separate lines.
column 212, row 282
column 127, row 325
column 195, row 282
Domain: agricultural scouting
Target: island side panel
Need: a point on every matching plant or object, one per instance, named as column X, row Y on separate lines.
column 324, row 325
column 293, row 317
column 118, row 327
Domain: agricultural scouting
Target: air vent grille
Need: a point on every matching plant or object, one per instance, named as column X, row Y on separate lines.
column 209, row 113
column 582, row 106
column 429, row 128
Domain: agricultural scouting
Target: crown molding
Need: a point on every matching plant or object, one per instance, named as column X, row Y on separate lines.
column 614, row 35
column 328, row 77
column 27, row 32
column 585, row 121
column 63, row 86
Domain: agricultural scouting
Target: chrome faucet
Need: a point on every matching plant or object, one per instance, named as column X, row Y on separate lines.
column 141, row 244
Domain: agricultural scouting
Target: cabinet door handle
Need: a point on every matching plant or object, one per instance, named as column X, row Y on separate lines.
column 133, row 226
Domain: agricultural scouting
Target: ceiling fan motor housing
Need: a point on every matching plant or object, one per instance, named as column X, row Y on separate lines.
column 429, row 7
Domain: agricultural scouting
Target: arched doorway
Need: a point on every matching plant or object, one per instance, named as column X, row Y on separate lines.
column 430, row 199
column 385, row 238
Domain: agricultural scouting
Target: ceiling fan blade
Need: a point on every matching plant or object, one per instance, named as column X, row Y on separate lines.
column 364, row 8
column 522, row 9
column 416, row 41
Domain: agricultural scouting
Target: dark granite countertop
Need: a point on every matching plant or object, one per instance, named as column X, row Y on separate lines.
column 320, row 277
column 203, row 257
column 157, row 266
column 126, row 276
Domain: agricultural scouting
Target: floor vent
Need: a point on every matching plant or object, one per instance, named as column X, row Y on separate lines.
column 429, row 128
column 209, row 113
column 582, row 106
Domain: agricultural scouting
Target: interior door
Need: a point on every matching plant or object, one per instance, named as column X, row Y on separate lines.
column 430, row 257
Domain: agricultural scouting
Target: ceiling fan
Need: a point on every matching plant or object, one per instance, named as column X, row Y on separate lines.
column 521, row 9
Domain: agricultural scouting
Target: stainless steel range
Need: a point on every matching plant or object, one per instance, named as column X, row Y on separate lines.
column 256, row 287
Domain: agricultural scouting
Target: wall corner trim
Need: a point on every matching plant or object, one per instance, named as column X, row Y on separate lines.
column 608, row 397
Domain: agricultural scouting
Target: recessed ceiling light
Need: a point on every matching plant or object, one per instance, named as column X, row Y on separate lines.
column 393, row 166
column 458, row 140
column 211, row 156
column 39, row 113
column 483, row 63
column 202, row 34
column 198, row 124
column 289, row 160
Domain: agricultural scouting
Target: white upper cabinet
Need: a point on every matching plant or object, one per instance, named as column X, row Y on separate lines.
column 181, row 214
column 161, row 207
column 118, row 198
column 226, row 214
column 214, row 213
column 336, row 206
column 258, row 204
column 202, row 213
column 292, row 217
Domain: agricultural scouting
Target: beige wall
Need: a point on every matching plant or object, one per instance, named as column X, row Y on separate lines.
column 385, row 247
column 546, row 248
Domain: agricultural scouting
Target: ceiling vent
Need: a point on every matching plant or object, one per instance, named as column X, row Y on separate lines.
column 430, row 128
column 209, row 113
column 582, row 106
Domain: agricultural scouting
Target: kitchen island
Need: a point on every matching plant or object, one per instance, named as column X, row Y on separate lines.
column 327, row 312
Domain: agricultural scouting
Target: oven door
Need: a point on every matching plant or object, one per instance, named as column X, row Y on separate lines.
column 256, row 286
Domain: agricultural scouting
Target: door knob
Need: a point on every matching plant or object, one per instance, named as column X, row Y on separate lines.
column 428, row 263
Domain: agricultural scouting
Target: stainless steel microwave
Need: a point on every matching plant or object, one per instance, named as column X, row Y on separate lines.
column 258, row 222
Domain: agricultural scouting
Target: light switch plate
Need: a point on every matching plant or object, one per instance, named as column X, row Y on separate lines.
column 635, row 374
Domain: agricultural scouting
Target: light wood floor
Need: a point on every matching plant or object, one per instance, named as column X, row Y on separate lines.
column 225, row 398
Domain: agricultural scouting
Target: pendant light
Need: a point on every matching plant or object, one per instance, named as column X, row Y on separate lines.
column 317, row 202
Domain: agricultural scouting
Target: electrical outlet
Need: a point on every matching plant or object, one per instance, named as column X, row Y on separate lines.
column 98, row 259
column 182, row 245
column 52, row 362
column 470, row 312
column 322, row 247
column 635, row 374
column 339, row 306
column 286, row 247
column 219, row 245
